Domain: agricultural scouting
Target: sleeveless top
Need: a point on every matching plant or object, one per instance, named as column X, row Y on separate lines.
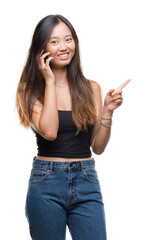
column 67, row 144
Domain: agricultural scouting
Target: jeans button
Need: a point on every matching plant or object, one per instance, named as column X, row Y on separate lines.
column 72, row 164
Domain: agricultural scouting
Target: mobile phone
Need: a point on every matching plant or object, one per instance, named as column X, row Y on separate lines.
column 51, row 62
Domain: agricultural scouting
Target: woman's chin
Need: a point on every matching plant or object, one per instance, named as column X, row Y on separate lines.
column 61, row 65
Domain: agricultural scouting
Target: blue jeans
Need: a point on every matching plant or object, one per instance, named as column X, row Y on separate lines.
column 65, row 193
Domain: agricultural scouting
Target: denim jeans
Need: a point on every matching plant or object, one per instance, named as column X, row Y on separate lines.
column 64, row 194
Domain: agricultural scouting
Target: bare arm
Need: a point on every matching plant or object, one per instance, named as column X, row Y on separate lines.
column 112, row 101
column 46, row 120
column 49, row 121
column 103, row 135
column 100, row 135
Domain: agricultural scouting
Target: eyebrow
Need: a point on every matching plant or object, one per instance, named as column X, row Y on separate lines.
column 65, row 36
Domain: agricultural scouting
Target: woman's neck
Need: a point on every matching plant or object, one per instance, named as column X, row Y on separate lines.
column 60, row 75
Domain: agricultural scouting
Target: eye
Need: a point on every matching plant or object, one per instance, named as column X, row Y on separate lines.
column 54, row 42
column 68, row 39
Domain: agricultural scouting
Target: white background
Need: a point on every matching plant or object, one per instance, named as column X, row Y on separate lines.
column 113, row 46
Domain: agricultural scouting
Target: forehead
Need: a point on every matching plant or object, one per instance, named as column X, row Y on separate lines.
column 61, row 29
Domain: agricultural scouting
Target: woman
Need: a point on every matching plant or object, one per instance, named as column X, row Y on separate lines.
column 64, row 110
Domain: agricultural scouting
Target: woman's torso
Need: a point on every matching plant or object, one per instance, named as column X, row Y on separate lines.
column 63, row 103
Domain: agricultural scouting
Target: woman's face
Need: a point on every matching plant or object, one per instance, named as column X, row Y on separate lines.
column 61, row 45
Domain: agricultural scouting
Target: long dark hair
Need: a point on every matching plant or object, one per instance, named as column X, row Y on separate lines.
column 32, row 85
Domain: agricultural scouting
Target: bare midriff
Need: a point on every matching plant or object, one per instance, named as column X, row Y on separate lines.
column 54, row 159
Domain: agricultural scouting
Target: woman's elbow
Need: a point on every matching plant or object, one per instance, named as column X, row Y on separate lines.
column 51, row 136
column 98, row 151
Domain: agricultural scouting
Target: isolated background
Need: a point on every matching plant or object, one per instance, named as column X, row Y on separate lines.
column 113, row 45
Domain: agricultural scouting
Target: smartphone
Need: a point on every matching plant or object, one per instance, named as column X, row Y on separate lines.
column 51, row 62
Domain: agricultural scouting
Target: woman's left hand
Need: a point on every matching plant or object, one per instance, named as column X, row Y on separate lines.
column 112, row 102
column 114, row 97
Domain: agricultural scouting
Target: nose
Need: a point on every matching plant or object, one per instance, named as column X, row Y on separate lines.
column 62, row 46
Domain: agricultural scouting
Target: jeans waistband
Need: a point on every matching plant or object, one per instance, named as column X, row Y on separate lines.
column 63, row 165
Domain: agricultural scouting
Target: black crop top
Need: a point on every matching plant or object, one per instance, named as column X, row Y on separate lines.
column 67, row 144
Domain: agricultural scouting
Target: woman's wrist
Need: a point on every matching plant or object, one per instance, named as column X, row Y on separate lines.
column 107, row 113
column 49, row 82
column 106, row 118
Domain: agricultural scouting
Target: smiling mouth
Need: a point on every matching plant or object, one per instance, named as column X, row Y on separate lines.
column 63, row 55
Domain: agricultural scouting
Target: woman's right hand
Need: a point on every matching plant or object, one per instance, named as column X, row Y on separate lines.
column 44, row 67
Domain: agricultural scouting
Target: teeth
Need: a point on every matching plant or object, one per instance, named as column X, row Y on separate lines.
column 63, row 55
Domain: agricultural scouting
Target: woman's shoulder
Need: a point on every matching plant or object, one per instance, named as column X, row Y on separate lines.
column 95, row 85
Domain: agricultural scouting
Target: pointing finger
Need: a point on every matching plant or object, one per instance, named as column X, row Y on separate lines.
column 121, row 86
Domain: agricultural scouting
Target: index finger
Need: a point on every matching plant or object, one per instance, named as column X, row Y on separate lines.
column 123, row 85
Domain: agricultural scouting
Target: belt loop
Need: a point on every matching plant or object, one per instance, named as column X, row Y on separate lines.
column 83, row 168
column 51, row 165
